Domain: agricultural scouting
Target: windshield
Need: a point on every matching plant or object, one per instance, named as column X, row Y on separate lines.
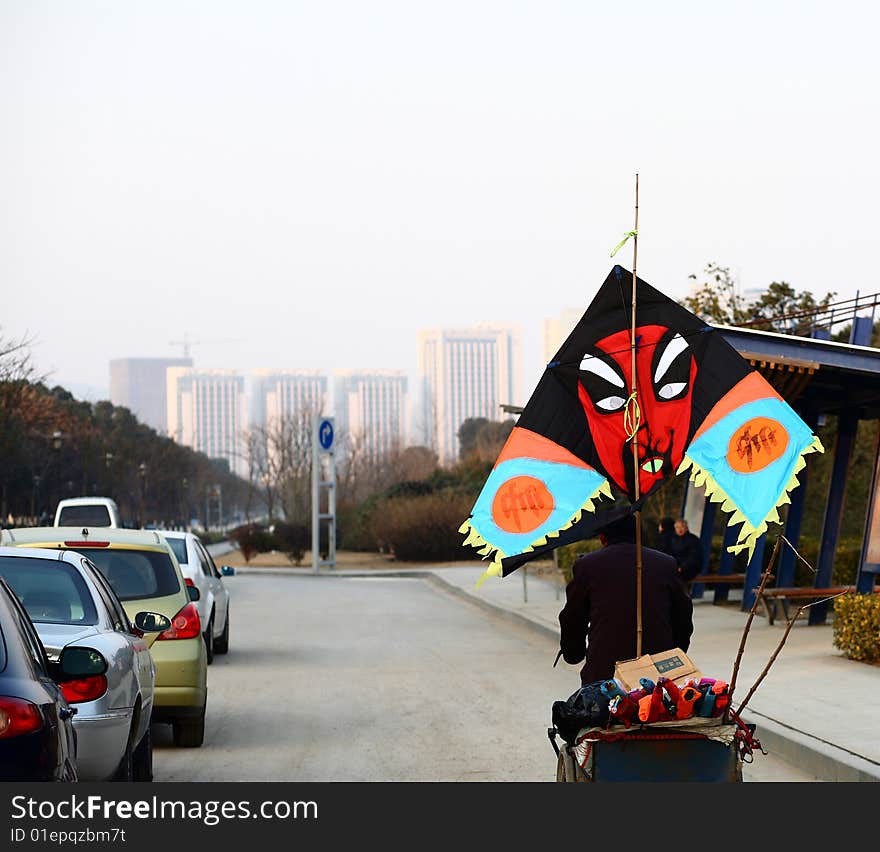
column 135, row 573
column 87, row 516
column 51, row 591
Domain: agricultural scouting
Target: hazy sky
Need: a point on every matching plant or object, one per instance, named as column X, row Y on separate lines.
column 314, row 182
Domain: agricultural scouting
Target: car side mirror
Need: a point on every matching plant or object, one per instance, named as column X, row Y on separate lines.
column 76, row 662
column 193, row 592
column 227, row 571
column 151, row 622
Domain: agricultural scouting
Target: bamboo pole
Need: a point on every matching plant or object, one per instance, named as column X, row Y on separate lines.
column 635, row 435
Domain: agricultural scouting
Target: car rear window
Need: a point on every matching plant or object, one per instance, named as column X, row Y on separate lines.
column 87, row 516
column 51, row 591
column 178, row 545
column 136, row 574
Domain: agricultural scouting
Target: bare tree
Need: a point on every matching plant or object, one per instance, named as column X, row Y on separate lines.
column 18, row 404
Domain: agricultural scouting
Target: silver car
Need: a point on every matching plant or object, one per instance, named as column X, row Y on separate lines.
column 71, row 604
column 200, row 571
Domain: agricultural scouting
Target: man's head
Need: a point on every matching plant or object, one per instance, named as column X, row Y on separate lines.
column 665, row 525
column 681, row 526
column 619, row 531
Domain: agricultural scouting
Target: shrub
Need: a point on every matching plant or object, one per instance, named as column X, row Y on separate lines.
column 857, row 627
column 251, row 539
column 567, row 555
column 293, row 540
column 425, row 528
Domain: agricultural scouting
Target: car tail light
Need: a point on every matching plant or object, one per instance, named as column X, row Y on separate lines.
column 188, row 581
column 185, row 625
column 18, row 717
column 78, row 544
column 84, row 688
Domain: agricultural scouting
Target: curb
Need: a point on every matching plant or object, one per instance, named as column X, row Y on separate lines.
column 825, row 761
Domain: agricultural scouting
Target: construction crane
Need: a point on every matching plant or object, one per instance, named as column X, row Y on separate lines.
column 186, row 343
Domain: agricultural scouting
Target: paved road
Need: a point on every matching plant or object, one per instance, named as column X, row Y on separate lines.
column 376, row 679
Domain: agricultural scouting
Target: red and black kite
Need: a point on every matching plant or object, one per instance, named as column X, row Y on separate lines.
column 698, row 406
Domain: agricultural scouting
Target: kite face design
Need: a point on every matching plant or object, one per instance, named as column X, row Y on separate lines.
column 696, row 406
column 666, row 370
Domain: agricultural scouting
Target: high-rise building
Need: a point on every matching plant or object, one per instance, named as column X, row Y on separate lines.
column 139, row 385
column 206, row 411
column 466, row 373
column 287, row 395
column 371, row 410
column 557, row 329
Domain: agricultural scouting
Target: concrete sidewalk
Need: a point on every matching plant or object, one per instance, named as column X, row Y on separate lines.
column 814, row 708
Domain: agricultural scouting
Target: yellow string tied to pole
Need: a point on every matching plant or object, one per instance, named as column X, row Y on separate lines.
column 622, row 243
column 632, row 416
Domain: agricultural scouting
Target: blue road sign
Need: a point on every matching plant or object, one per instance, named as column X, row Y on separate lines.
column 325, row 434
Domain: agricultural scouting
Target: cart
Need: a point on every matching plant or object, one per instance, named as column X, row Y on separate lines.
column 695, row 749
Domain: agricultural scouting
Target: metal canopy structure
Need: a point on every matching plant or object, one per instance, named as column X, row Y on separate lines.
column 816, row 377
column 813, row 376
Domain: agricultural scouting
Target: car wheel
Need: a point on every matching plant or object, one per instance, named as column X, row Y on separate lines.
column 189, row 733
column 142, row 759
column 221, row 644
column 125, row 770
column 209, row 640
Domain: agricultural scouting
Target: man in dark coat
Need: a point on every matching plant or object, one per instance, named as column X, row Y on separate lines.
column 687, row 550
column 598, row 621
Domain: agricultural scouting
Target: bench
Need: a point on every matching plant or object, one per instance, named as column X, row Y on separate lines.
column 777, row 597
column 718, row 579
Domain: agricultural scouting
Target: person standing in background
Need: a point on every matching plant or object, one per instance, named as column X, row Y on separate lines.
column 687, row 550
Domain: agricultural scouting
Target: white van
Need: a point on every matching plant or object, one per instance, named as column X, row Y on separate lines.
column 87, row 512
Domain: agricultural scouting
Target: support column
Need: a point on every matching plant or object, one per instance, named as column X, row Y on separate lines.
column 753, row 573
column 793, row 519
column 706, row 528
column 725, row 566
column 846, row 435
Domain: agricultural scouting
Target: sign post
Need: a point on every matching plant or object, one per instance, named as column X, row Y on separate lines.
column 323, row 482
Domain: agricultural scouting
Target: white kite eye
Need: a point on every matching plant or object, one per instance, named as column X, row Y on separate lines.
column 604, row 384
column 672, row 372
column 611, row 403
column 672, row 389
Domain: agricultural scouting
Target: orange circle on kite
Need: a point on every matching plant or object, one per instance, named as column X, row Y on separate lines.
column 757, row 443
column 521, row 504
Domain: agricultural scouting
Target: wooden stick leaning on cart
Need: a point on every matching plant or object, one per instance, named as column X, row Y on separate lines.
column 742, row 645
column 790, row 624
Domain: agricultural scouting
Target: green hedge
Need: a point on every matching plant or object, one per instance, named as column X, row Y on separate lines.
column 857, row 627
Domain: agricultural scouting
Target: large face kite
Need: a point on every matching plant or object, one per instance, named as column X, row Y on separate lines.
column 695, row 405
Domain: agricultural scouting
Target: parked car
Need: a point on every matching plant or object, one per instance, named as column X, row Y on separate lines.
column 145, row 574
column 71, row 604
column 37, row 739
column 87, row 512
column 199, row 570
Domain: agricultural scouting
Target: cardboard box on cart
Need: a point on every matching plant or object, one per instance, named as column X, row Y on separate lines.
column 674, row 664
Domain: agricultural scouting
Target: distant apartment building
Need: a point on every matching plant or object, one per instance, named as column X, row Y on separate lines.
column 287, row 395
column 465, row 373
column 206, row 411
column 139, row 385
column 371, row 410
column 557, row 329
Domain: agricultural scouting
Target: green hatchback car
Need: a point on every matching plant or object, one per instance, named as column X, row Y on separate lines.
column 145, row 574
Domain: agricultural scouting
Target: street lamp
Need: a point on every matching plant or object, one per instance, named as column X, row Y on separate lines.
column 34, row 504
column 57, row 441
column 142, row 470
